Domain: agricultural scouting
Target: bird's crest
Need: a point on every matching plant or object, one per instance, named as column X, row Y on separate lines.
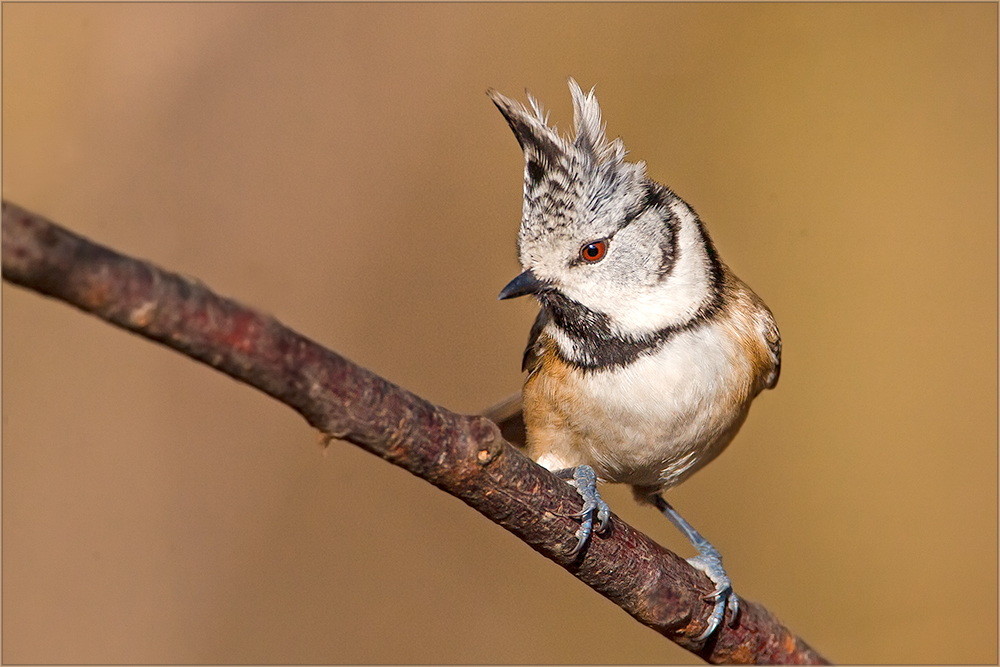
column 531, row 127
column 572, row 185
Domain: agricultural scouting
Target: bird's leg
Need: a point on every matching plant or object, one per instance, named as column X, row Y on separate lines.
column 709, row 561
column 584, row 480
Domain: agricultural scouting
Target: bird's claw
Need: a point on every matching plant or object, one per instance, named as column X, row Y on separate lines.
column 584, row 480
column 710, row 562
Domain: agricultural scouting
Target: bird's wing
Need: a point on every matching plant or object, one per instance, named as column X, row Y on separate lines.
column 532, row 357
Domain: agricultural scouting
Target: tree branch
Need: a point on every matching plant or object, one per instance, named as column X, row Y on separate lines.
column 463, row 455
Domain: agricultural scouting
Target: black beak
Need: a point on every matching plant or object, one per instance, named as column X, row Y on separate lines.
column 526, row 283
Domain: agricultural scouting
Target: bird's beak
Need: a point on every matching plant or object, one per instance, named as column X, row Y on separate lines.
column 526, row 283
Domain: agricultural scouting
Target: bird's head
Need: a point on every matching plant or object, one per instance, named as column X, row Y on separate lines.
column 603, row 247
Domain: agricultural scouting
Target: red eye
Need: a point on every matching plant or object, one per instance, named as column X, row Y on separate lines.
column 594, row 252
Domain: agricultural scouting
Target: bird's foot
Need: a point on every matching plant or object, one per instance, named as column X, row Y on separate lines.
column 584, row 480
column 709, row 561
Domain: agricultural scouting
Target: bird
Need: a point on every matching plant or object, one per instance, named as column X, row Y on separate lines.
column 647, row 350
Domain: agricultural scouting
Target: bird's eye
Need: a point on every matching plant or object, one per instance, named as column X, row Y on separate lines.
column 594, row 251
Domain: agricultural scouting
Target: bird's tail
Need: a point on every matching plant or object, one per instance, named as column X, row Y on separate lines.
column 509, row 416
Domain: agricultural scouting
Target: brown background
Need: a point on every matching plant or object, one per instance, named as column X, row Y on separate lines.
column 341, row 167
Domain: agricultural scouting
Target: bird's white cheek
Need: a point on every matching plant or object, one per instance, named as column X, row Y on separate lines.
column 639, row 307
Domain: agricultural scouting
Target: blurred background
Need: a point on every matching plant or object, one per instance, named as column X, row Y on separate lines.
column 341, row 167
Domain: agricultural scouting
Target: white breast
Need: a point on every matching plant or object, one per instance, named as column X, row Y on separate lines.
column 663, row 416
